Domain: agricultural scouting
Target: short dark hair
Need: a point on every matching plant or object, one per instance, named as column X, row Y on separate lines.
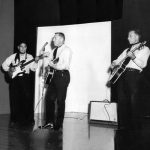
column 22, row 41
column 138, row 32
column 61, row 35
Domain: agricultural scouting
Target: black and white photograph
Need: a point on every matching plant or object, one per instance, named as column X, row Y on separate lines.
column 74, row 75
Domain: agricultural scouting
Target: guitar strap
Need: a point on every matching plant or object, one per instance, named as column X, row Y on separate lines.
column 25, row 57
column 18, row 57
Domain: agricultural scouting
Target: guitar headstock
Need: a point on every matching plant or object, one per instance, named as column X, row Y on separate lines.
column 43, row 48
column 46, row 54
column 142, row 44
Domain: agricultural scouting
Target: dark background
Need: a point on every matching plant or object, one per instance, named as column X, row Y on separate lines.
column 30, row 14
column 127, row 14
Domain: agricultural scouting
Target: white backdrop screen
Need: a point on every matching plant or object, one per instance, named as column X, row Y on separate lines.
column 91, row 47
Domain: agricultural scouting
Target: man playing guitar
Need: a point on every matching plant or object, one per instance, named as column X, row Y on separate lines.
column 21, row 102
column 136, row 60
column 59, row 61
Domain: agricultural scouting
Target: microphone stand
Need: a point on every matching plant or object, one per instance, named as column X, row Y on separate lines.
column 42, row 74
column 43, row 90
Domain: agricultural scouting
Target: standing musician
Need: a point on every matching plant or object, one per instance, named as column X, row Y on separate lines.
column 128, row 82
column 21, row 102
column 59, row 62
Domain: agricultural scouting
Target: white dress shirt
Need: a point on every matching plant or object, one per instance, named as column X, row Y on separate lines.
column 141, row 59
column 64, row 54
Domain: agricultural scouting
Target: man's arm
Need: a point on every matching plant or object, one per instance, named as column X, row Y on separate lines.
column 7, row 62
column 119, row 59
column 142, row 57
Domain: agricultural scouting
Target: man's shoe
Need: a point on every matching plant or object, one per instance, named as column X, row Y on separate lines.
column 57, row 127
column 46, row 126
column 49, row 125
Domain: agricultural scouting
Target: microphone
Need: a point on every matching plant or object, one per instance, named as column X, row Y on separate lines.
column 43, row 48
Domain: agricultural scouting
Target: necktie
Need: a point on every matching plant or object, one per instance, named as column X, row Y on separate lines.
column 55, row 52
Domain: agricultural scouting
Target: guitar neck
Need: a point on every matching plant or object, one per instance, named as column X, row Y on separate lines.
column 23, row 65
column 143, row 43
column 40, row 57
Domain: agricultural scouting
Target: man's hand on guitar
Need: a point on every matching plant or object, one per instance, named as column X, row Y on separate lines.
column 51, row 63
column 37, row 58
column 131, row 55
column 12, row 69
column 111, row 67
column 48, row 68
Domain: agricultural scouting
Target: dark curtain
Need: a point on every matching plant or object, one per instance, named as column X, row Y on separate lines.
column 29, row 14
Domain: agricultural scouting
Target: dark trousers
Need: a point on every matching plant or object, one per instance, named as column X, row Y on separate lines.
column 128, row 86
column 56, row 94
column 21, row 102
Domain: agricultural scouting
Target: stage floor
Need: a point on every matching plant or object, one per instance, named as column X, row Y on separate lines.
column 77, row 134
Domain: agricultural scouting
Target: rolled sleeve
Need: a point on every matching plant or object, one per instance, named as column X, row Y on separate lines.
column 7, row 62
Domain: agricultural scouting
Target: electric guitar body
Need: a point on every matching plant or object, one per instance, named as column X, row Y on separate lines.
column 18, row 69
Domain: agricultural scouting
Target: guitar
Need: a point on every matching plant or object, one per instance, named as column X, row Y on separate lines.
column 118, row 69
column 18, row 69
column 49, row 73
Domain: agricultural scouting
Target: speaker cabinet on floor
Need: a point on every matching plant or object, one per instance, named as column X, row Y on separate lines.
column 103, row 112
